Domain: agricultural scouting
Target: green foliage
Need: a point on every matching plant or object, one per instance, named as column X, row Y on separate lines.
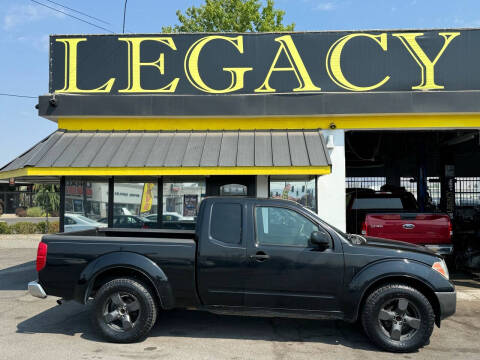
column 35, row 212
column 4, row 228
column 23, row 228
column 47, row 197
column 231, row 16
column 53, row 227
column 42, row 227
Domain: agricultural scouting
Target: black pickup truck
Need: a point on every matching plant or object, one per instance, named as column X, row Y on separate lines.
column 249, row 256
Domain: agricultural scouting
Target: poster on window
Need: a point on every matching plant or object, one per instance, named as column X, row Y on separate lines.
column 190, row 203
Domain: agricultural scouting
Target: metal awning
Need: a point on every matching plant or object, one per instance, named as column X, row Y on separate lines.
column 157, row 153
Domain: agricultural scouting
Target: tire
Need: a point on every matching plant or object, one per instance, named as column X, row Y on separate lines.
column 124, row 310
column 398, row 318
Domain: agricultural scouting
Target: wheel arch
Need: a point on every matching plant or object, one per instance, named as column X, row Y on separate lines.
column 125, row 264
column 413, row 282
column 122, row 272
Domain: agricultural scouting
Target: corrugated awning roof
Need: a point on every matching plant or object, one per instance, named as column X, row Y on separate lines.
column 173, row 153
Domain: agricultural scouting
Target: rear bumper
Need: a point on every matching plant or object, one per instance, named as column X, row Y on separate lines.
column 35, row 289
column 440, row 249
column 448, row 303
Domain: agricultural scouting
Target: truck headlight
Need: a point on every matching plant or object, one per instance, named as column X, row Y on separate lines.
column 441, row 267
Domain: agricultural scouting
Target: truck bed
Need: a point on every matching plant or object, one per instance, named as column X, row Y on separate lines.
column 70, row 253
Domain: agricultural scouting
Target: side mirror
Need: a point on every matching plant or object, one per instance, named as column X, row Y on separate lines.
column 320, row 239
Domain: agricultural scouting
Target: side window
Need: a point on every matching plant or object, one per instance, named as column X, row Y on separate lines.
column 226, row 222
column 280, row 226
column 69, row 221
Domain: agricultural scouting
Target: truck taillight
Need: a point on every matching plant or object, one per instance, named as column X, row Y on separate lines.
column 41, row 256
column 364, row 228
column 450, row 228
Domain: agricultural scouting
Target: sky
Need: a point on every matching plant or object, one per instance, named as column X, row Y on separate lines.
column 25, row 26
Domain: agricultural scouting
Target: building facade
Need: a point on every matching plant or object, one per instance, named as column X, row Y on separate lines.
column 151, row 124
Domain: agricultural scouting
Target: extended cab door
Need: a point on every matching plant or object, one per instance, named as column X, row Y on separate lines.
column 221, row 252
column 285, row 271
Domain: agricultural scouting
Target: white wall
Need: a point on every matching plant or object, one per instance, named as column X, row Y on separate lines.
column 331, row 188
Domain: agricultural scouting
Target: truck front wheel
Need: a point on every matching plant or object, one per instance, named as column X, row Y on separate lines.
column 398, row 318
column 124, row 310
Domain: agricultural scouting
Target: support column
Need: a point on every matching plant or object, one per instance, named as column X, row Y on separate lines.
column 392, row 172
column 331, row 188
column 62, row 205
column 160, row 203
column 110, row 208
column 262, row 186
column 422, row 176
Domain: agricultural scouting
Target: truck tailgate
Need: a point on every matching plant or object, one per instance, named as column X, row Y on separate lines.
column 410, row 227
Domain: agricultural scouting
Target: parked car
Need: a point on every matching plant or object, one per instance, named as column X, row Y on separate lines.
column 396, row 216
column 76, row 222
column 172, row 220
column 168, row 216
column 261, row 257
column 129, row 221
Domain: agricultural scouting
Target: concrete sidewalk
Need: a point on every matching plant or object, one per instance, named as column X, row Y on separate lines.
column 20, row 241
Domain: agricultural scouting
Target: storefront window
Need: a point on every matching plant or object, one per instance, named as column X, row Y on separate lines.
column 302, row 191
column 135, row 204
column 86, row 204
column 181, row 201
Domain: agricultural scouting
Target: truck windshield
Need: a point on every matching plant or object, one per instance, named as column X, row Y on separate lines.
column 378, row 203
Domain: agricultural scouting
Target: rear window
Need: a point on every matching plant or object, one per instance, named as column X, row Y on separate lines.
column 226, row 223
column 378, row 203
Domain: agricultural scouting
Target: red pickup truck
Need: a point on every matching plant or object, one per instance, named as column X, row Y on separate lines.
column 396, row 216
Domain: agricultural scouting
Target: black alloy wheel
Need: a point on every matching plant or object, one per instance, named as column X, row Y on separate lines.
column 398, row 318
column 124, row 310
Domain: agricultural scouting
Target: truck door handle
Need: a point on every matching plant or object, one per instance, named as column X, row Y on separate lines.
column 260, row 256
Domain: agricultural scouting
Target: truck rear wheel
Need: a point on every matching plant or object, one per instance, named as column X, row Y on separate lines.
column 124, row 310
column 398, row 318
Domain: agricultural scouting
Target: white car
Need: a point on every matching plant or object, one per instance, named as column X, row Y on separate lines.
column 170, row 216
column 75, row 222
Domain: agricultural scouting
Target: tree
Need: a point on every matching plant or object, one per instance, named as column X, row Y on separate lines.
column 231, row 16
column 48, row 198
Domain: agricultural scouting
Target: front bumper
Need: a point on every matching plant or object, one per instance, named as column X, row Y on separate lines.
column 441, row 249
column 35, row 289
column 448, row 303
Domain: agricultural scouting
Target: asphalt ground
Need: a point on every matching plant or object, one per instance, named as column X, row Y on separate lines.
column 32, row 328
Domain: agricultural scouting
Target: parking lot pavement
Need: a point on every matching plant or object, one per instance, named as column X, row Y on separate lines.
column 38, row 329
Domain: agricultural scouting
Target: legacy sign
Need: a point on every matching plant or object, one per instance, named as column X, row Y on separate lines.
column 265, row 63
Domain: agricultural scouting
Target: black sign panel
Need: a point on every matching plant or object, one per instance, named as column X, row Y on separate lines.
column 266, row 63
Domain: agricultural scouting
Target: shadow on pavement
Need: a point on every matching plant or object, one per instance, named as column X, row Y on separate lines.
column 467, row 280
column 72, row 318
column 17, row 277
